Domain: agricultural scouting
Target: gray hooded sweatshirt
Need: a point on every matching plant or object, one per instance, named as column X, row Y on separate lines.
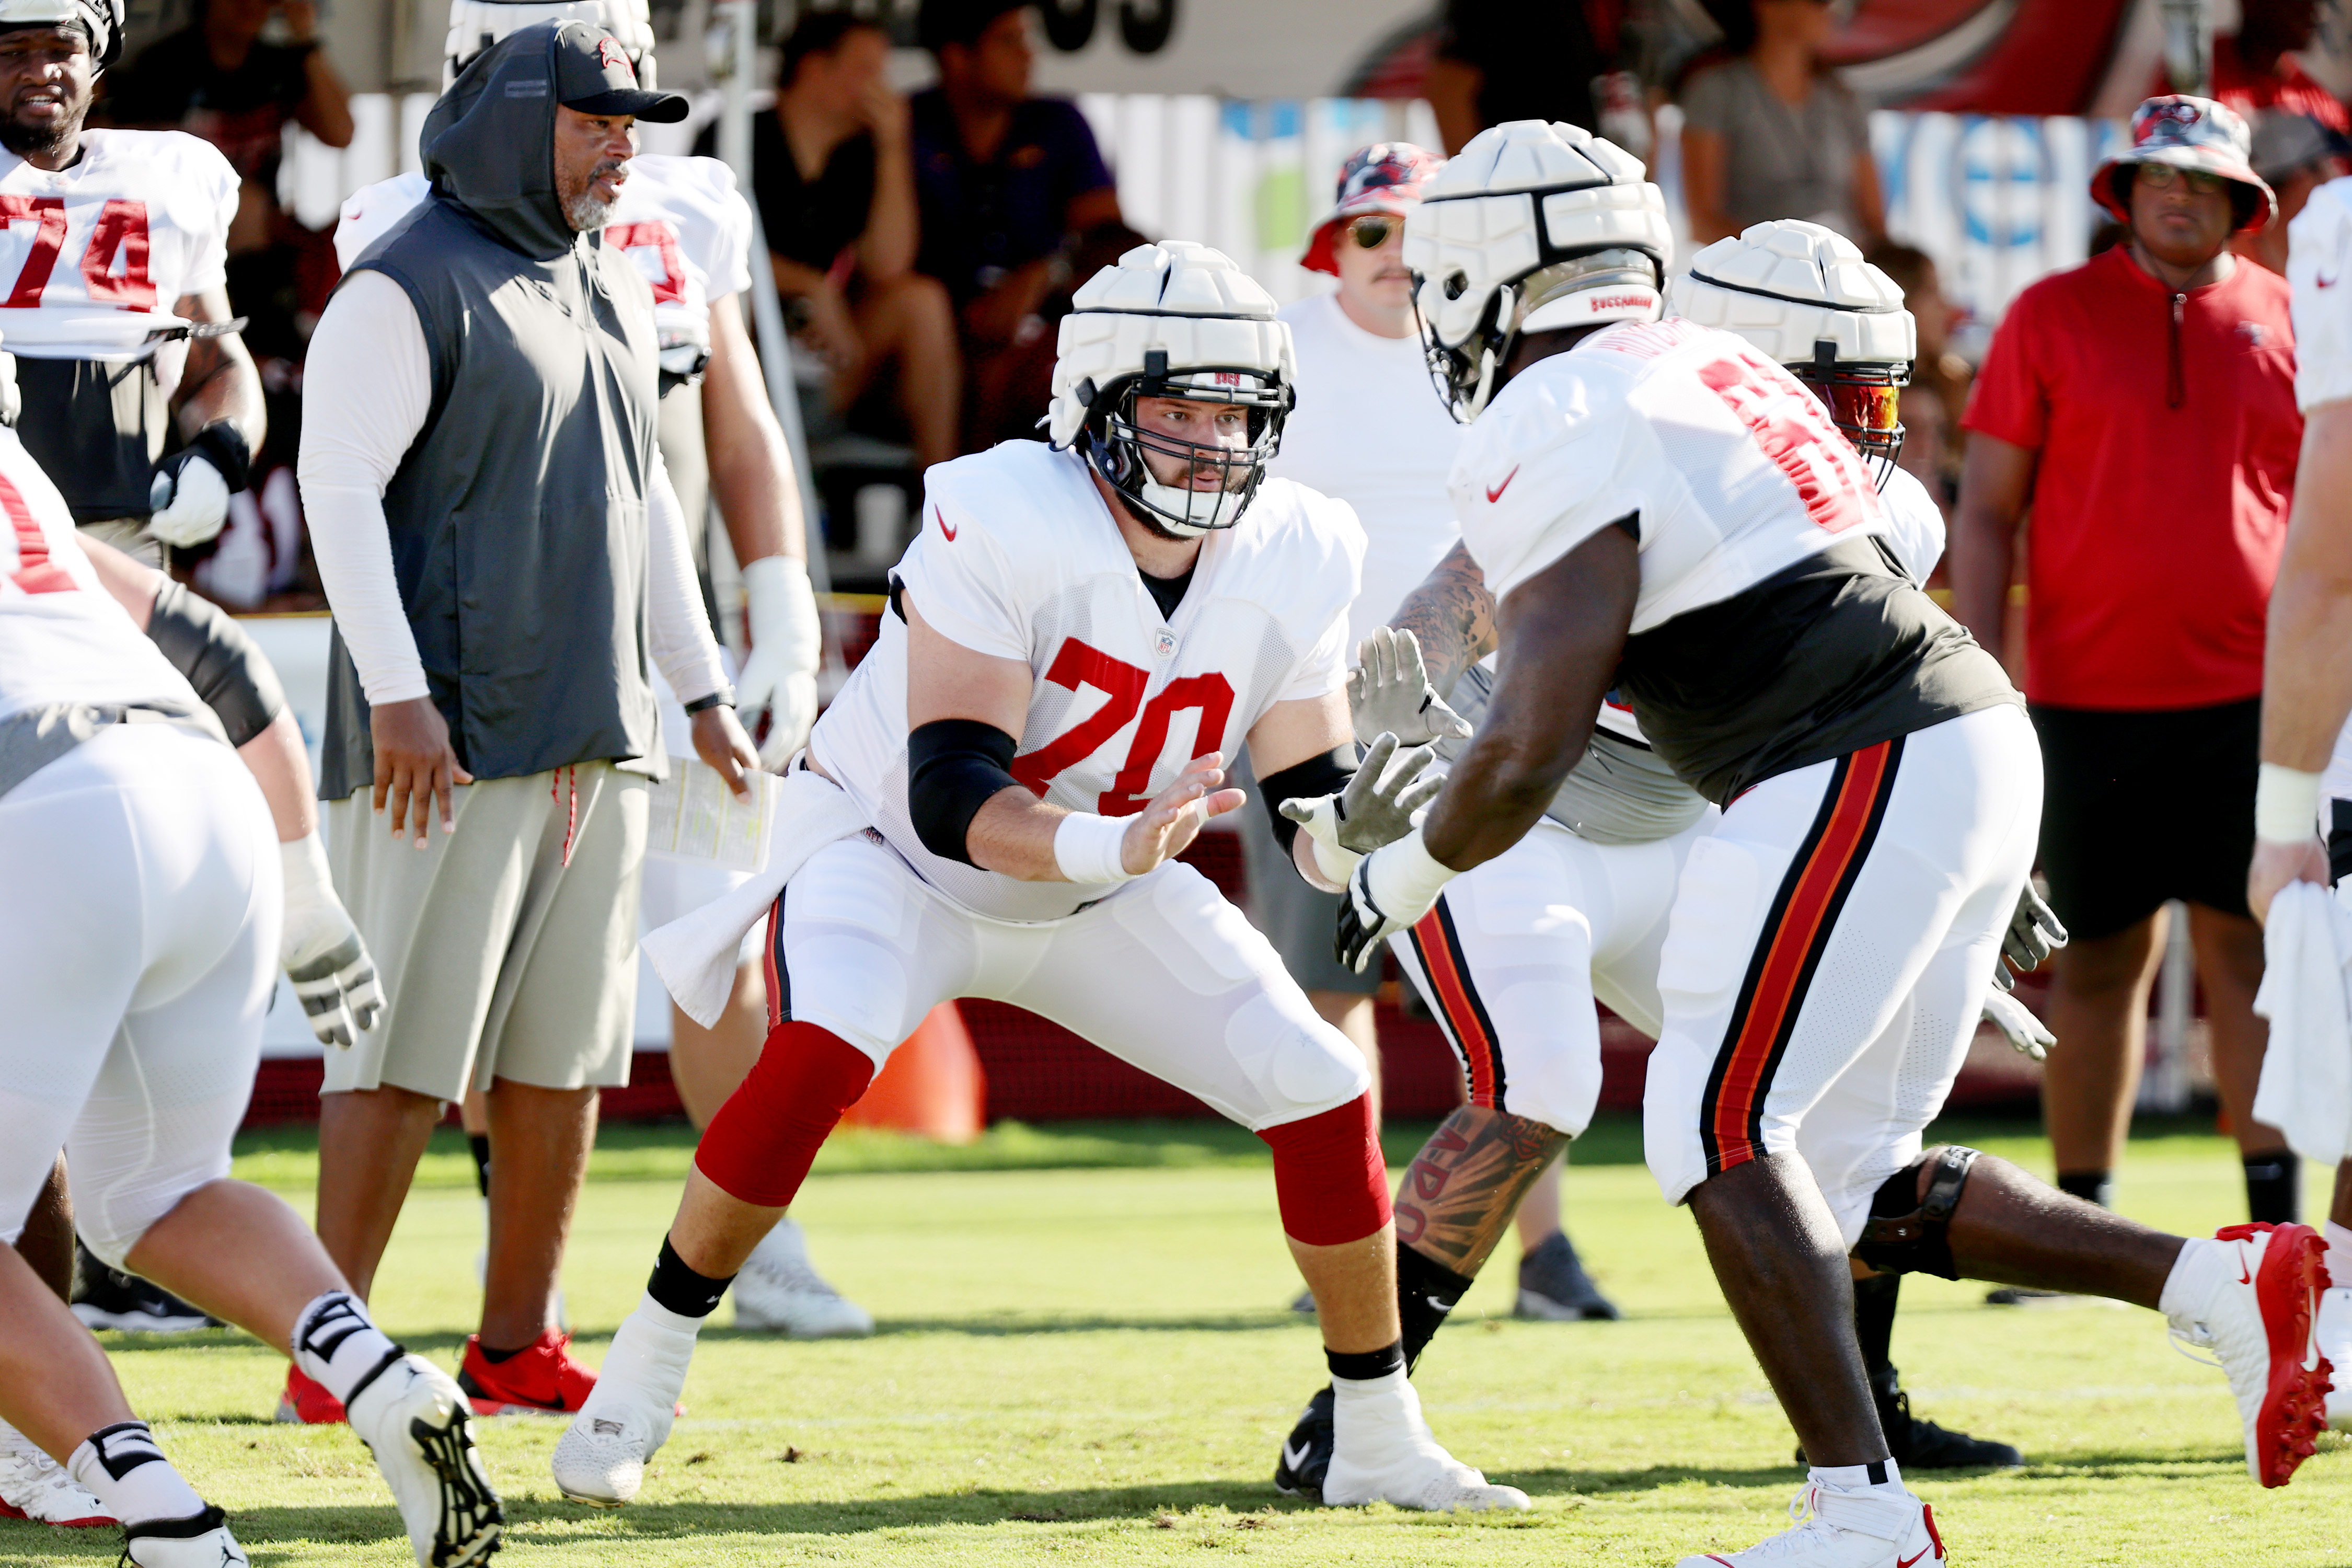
column 518, row 517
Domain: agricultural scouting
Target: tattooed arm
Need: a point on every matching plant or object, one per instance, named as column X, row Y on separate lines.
column 1460, row 1193
column 1451, row 615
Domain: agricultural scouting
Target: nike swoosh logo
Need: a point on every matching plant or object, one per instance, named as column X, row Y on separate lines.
column 2324, row 282
column 2245, row 1275
column 1494, row 492
column 1293, row 1458
column 1906, row 1562
column 945, row 526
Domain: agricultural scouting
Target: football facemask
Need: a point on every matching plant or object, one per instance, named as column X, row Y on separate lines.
column 1865, row 402
column 1216, row 482
column 1594, row 289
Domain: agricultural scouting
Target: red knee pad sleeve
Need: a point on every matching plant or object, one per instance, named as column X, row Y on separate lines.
column 758, row 1148
column 1328, row 1175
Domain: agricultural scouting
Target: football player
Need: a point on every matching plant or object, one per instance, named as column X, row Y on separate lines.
column 119, row 316
column 1658, row 506
column 1072, row 623
column 123, row 810
column 689, row 229
column 1578, row 908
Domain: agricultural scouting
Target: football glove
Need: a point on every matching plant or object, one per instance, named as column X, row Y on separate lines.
column 786, row 643
column 2027, row 1035
column 188, row 498
column 323, row 952
column 1373, row 810
column 1393, row 888
column 2033, row 933
column 1389, row 693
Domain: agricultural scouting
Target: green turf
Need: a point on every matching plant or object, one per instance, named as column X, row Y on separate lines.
column 1084, row 1356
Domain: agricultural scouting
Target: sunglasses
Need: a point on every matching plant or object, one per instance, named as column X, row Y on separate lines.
column 1372, row 231
column 2164, row 178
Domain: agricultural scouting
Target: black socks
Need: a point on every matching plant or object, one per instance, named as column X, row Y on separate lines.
column 1874, row 1319
column 1426, row 1291
column 2091, row 1186
column 479, row 1143
column 1362, row 1367
column 2274, row 1186
column 680, row 1289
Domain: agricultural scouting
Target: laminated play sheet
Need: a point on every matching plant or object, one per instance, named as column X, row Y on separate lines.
column 692, row 816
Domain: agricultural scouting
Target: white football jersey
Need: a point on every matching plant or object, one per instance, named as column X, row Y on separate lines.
column 2319, row 254
column 1732, row 467
column 63, row 638
column 681, row 220
column 97, row 256
column 1019, row 558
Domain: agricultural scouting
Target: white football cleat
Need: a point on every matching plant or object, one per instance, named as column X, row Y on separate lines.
column 414, row 1420
column 1382, row 1451
column 2254, row 1291
column 779, row 1291
column 601, row 1458
column 1843, row 1529
column 2333, row 1334
column 34, row 1486
column 200, row 1540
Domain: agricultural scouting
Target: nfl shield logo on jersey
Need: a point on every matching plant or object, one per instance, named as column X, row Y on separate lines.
column 1163, row 645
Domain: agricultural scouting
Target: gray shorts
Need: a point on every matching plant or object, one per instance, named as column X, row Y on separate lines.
column 1299, row 921
column 508, row 950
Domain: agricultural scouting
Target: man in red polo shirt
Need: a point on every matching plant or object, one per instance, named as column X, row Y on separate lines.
column 2143, row 407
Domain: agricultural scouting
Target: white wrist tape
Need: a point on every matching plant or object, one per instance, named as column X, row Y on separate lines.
column 1406, row 877
column 1086, row 848
column 2286, row 805
column 309, row 888
column 782, row 609
column 1336, row 864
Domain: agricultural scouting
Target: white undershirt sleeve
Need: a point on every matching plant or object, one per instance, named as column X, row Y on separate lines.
column 683, row 649
column 367, row 387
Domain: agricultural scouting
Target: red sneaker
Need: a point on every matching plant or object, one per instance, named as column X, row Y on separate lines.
column 306, row 1402
column 540, row 1379
column 2251, row 1294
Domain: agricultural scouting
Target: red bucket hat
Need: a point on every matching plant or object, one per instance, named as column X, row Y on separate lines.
column 2186, row 133
column 1385, row 177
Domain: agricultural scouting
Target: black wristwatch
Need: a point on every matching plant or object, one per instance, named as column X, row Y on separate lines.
column 722, row 698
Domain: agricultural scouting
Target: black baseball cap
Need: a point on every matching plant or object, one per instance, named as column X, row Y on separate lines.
column 593, row 75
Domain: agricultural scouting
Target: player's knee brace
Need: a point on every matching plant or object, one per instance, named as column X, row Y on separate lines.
column 759, row 1147
column 1329, row 1178
column 1906, row 1233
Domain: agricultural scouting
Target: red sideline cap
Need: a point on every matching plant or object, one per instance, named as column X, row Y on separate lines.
column 2188, row 133
column 1385, row 177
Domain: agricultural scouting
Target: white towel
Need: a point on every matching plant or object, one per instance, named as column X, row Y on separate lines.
column 2306, row 1085
column 694, row 954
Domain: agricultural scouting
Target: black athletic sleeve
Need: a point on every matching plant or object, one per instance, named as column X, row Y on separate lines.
column 1325, row 775
column 954, row 766
column 220, row 661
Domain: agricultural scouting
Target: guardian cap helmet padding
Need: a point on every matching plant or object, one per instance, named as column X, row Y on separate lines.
column 1803, row 294
column 1531, row 228
column 1172, row 320
column 476, row 24
column 101, row 19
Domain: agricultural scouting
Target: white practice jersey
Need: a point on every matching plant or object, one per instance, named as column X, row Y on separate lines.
column 97, row 256
column 681, row 220
column 1731, row 467
column 63, row 638
column 2319, row 254
column 1019, row 559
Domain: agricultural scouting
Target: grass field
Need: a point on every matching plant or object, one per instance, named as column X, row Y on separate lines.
column 1084, row 1357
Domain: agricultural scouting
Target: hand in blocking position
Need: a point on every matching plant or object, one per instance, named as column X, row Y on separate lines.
column 1389, row 692
column 1163, row 829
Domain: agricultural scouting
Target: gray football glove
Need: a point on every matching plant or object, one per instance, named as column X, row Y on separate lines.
column 1389, row 693
column 1375, row 808
column 2033, row 932
column 2027, row 1035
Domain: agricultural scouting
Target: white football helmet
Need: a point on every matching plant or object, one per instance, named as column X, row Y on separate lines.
column 102, row 19
column 1531, row 228
column 1172, row 320
column 476, row 24
column 1803, row 294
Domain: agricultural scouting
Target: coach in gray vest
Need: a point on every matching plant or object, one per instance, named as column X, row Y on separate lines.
column 505, row 560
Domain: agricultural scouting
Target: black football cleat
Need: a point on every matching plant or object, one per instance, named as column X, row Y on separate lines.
column 1307, row 1452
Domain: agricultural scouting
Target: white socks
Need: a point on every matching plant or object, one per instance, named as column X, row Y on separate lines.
column 651, row 1351
column 123, row 1468
column 1375, row 1411
column 338, row 1345
column 1888, row 1480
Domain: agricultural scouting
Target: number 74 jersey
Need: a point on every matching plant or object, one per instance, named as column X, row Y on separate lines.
column 95, row 257
column 1018, row 558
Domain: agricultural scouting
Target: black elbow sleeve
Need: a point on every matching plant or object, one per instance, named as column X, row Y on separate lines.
column 219, row 660
column 1325, row 775
column 954, row 766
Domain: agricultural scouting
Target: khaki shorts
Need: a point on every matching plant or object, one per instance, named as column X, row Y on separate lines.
column 501, row 955
column 130, row 535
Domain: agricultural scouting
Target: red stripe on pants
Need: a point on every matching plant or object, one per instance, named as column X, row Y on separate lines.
column 1443, row 964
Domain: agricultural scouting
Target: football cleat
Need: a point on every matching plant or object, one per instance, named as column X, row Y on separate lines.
column 1382, row 1451
column 780, row 1292
column 413, row 1417
column 542, row 1379
column 1834, row 1528
column 2256, row 1288
column 1307, row 1452
column 305, row 1402
column 1554, row 1286
column 107, row 1298
column 2334, row 1335
column 601, row 1457
column 35, row 1487
column 1921, row 1445
column 200, row 1540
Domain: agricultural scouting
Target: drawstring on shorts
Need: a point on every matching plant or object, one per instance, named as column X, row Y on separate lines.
column 569, row 777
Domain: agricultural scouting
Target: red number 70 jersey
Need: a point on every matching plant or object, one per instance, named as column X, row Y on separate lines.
column 94, row 257
column 1019, row 559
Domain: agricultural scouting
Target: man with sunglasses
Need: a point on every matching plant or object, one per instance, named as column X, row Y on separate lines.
column 2142, row 406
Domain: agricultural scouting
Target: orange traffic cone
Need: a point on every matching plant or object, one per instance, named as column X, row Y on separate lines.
column 931, row 1086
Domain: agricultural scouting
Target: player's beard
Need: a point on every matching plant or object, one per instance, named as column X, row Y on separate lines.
column 43, row 140
column 585, row 212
